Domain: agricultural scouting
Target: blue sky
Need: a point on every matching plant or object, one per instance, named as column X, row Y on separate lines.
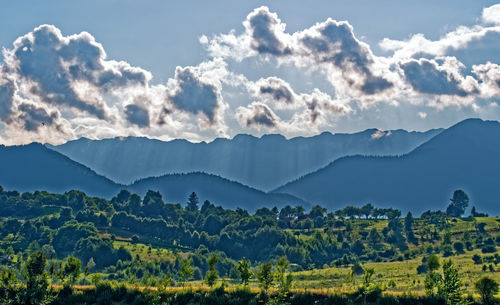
column 191, row 80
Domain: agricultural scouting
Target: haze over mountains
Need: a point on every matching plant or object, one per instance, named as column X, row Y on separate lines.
column 34, row 167
column 263, row 163
column 465, row 156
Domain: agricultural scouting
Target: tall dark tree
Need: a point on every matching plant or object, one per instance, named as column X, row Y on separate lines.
column 192, row 204
column 409, row 227
column 459, row 202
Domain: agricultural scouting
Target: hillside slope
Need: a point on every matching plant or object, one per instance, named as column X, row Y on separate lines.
column 219, row 191
column 35, row 167
column 465, row 156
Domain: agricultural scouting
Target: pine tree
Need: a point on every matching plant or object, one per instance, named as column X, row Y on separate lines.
column 409, row 228
column 192, row 204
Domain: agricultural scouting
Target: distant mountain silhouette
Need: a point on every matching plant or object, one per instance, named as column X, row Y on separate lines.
column 35, row 167
column 219, row 191
column 465, row 156
column 263, row 163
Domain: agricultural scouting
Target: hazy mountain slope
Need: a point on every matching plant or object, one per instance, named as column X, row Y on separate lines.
column 219, row 191
column 467, row 156
column 35, row 167
column 264, row 163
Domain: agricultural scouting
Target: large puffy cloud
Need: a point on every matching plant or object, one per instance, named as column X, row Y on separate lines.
column 428, row 77
column 197, row 90
column 193, row 95
column 266, row 32
column 333, row 42
column 69, row 71
column 350, row 65
column 55, row 87
column 330, row 45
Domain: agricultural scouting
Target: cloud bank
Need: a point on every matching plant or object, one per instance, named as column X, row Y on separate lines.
column 54, row 88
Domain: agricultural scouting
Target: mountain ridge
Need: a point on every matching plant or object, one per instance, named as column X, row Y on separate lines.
column 433, row 162
column 263, row 163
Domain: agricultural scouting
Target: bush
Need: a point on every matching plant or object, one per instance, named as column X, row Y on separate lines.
column 477, row 259
column 459, row 247
column 489, row 249
column 422, row 269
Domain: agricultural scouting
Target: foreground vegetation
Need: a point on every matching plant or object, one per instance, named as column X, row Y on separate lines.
column 84, row 249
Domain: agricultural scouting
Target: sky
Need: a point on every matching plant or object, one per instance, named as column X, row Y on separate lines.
column 199, row 70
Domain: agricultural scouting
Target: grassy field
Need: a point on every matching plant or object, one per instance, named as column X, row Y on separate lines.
column 402, row 274
column 396, row 277
column 145, row 252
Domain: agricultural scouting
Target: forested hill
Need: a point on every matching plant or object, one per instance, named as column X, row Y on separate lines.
column 35, row 167
column 467, row 156
column 263, row 163
column 229, row 194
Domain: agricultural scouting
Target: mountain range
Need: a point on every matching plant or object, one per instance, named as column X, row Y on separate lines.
column 263, row 163
column 411, row 171
column 465, row 156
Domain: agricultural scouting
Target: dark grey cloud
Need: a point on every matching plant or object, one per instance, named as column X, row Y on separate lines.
column 375, row 84
column 137, row 115
column 263, row 27
column 425, row 77
column 277, row 89
column 34, row 117
column 194, row 95
column 337, row 44
column 314, row 110
column 261, row 115
column 52, row 64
